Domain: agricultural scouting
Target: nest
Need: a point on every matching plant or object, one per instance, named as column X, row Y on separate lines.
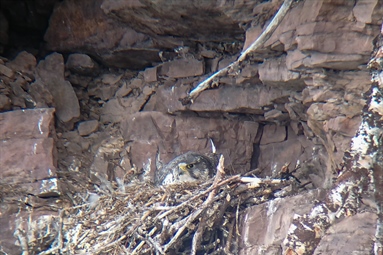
column 187, row 218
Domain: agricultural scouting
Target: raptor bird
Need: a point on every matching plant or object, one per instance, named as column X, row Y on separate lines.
column 187, row 167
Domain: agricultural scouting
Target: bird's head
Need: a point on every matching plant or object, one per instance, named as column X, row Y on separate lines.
column 198, row 168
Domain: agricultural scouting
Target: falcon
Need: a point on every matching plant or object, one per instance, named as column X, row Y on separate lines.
column 188, row 167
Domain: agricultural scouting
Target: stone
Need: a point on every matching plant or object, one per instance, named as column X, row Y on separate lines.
column 41, row 95
column 275, row 115
column 6, row 71
column 343, row 125
column 352, row 235
column 112, row 111
column 274, row 155
column 249, row 74
column 236, row 99
column 273, row 134
column 175, row 135
column 111, row 79
column 212, row 21
column 50, row 72
column 208, row 53
column 5, row 103
column 252, row 34
column 150, row 74
column 226, row 61
column 264, row 227
column 82, row 64
column 24, row 62
column 181, row 68
column 87, row 127
column 27, row 124
column 27, row 151
column 274, row 72
column 79, row 80
column 333, row 50
column 102, row 91
column 114, row 43
column 115, row 109
column 30, row 164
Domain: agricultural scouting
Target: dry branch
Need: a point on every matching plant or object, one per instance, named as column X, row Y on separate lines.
column 265, row 35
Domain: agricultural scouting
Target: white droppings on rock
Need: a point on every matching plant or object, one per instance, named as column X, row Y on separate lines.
column 317, row 210
column 272, row 207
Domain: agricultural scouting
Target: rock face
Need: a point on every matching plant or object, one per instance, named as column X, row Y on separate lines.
column 28, row 159
column 297, row 100
column 50, row 72
column 83, row 27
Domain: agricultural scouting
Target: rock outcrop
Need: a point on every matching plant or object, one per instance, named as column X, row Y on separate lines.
column 299, row 100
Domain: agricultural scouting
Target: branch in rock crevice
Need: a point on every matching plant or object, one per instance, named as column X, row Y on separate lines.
column 266, row 34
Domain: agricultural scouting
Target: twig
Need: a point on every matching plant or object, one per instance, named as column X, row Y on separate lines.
column 266, row 34
column 198, row 234
column 231, row 179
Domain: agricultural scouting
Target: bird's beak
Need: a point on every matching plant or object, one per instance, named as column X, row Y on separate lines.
column 183, row 167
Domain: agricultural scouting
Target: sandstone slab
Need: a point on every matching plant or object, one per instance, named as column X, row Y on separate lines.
column 30, row 165
column 273, row 134
column 27, row 151
column 24, row 62
column 181, row 68
column 83, row 27
column 352, row 235
column 81, row 64
column 264, row 227
column 51, row 73
column 87, row 127
column 171, row 136
column 4, row 70
column 27, row 124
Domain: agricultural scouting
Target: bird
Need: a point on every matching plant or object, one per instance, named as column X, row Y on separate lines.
column 187, row 167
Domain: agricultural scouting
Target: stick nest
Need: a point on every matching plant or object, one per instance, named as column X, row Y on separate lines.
column 187, row 218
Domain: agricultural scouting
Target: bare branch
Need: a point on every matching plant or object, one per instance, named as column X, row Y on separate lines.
column 266, row 34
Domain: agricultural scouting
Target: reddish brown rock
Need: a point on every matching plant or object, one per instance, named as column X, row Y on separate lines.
column 50, row 72
column 244, row 99
column 264, row 227
column 249, row 74
column 87, row 127
column 343, row 125
column 333, row 50
column 82, row 64
column 30, row 163
column 6, row 71
column 352, row 235
column 211, row 21
column 273, row 134
column 27, row 151
column 5, row 103
column 171, row 136
column 24, row 62
column 27, row 124
column 274, row 155
column 150, row 74
column 274, row 72
column 83, row 27
column 181, row 68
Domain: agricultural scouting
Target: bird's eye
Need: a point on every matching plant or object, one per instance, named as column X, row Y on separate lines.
column 190, row 166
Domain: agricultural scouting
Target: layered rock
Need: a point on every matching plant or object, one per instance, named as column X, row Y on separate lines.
column 298, row 101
